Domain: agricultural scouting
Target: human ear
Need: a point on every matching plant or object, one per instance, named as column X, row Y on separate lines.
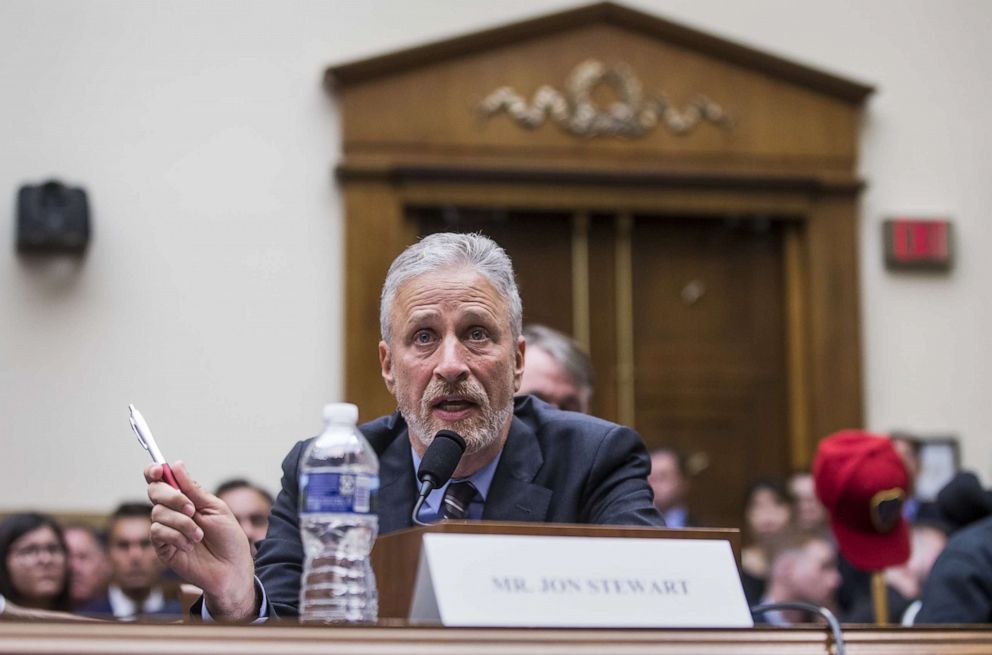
column 518, row 363
column 386, row 365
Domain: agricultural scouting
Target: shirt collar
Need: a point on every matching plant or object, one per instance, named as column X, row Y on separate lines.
column 676, row 517
column 125, row 608
column 481, row 480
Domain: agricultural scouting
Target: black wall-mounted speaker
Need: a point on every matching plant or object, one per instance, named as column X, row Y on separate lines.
column 52, row 218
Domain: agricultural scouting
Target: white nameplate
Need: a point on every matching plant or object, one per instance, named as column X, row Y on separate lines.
column 532, row 581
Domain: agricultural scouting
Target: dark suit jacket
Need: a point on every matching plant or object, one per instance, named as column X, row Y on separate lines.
column 556, row 467
column 100, row 607
column 959, row 588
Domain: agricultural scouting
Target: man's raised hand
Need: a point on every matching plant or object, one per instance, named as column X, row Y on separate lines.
column 195, row 533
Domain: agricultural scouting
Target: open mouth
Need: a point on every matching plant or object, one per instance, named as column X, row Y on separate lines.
column 453, row 407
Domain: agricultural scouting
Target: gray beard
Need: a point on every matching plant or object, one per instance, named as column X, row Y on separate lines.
column 479, row 432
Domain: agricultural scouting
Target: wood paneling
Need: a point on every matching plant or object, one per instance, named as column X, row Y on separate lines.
column 834, row 328
column 775, row 119
column 605, row 402
column 375, row 233
column 415, row 141
column 797, row 348
column 710, row 341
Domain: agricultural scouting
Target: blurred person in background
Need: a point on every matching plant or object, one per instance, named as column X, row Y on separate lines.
column 250, row 505
column 808, row 511
column 803, row 568
column 34, row 567
column 89, row 565
column 928, row 540
column 963, row 501
column 137, row 590
column 670, row 483
column 556, row 370
column 767, row 512
column 904, row 583
column 909, row 449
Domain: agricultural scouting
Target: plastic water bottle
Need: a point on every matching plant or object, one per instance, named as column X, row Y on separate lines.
column 339, row 482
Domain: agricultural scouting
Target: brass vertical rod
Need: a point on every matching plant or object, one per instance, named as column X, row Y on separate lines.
column 624, row 274
column 581, row 330
column 880, row 598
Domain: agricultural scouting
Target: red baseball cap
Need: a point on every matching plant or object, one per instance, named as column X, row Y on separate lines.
column 863, row 483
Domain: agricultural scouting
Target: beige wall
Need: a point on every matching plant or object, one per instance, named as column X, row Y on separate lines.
column 211, row 294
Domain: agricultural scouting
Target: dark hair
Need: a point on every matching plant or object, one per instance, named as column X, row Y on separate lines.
column 963, row 500
column 129, row 510
column 775, row 485
column 241, row 483
column 13, row 528
column 132, row 510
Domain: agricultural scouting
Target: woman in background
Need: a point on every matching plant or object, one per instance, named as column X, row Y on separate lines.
column 767, row 512
column 34, row 569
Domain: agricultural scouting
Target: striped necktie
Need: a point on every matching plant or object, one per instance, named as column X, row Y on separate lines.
column 457, row 498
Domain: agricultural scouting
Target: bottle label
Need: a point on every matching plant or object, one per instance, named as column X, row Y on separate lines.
column 338, row 493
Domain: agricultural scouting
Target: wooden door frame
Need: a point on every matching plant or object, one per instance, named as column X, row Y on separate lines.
column 416, row 131
column 819, row 256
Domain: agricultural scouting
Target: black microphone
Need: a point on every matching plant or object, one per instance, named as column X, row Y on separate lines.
column 439, row 462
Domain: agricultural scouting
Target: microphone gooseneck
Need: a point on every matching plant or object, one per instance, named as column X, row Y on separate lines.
column 823, row 612
column 439, row 462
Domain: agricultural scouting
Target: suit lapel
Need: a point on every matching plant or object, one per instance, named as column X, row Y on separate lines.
column 397, row 496
column 513, row 496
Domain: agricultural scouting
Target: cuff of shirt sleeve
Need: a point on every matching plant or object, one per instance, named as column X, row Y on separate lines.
column 263, row 612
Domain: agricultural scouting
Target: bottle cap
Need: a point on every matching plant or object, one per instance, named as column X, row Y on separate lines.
column 341, row 413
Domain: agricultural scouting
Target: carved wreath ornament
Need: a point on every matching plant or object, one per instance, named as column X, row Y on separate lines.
column 576, row 113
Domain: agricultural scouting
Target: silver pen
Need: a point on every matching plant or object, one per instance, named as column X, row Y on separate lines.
column 147, row 441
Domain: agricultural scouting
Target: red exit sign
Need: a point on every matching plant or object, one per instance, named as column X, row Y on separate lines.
column 918, row 243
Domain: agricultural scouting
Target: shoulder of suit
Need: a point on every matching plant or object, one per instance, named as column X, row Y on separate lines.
column 540, row 416
column 383, row 431
column 972, row 540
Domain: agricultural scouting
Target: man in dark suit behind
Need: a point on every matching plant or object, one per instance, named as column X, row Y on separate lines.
column 137, row 590
column 669, row 480
column 452, row 354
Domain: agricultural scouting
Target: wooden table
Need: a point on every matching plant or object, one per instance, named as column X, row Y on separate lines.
column 119, row 639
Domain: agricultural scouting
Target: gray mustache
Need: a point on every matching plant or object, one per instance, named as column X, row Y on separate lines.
column 467, row 390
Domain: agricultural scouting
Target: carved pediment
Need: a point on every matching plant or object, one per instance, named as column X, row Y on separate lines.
column 603, row 81
column 602, row 13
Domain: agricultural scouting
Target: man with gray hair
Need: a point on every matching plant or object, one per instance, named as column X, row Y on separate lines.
column 557, row 371
column 452, row 355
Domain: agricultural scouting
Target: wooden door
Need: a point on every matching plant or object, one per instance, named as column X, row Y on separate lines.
column 699, row 313
column 709, row 341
